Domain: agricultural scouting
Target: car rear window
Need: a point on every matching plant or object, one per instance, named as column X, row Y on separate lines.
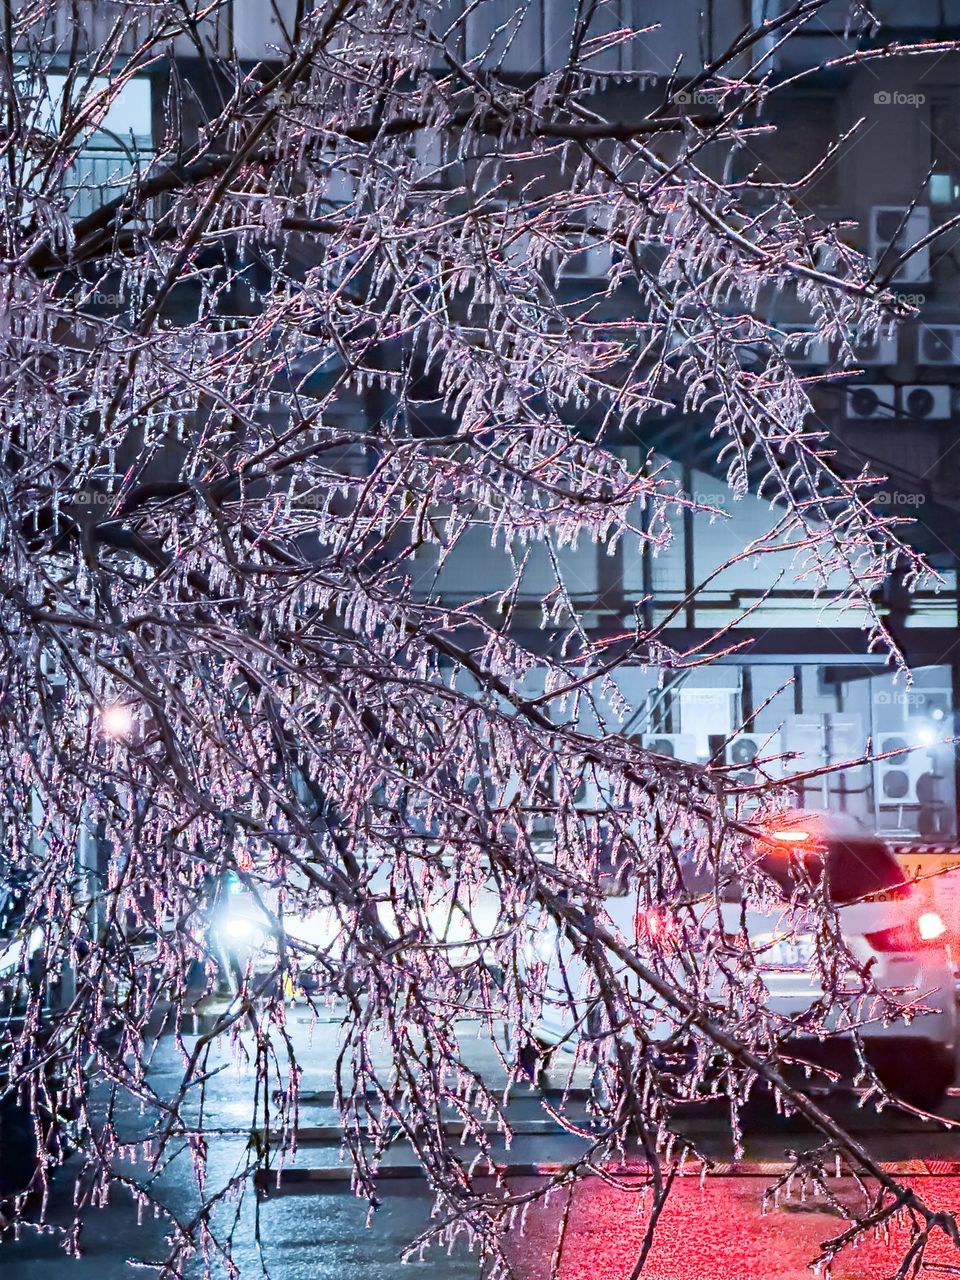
column 855, row 869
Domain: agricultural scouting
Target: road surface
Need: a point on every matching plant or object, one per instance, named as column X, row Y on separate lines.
column 312, row 1226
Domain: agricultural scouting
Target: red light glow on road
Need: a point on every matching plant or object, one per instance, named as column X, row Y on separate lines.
column 717, row 1233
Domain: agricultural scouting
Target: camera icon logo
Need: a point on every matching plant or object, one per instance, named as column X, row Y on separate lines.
column 882, row 98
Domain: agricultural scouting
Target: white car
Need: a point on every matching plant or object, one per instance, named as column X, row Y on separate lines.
column 884, row 922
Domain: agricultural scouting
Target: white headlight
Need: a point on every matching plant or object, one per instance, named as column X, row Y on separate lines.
column 240, row 928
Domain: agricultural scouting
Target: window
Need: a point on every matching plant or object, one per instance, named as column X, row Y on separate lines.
column 119, row 148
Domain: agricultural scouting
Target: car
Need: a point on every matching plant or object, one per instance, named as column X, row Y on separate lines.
column 889, row 928
column 454, row 916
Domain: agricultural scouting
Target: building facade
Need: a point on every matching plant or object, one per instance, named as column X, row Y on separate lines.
column 802, row 681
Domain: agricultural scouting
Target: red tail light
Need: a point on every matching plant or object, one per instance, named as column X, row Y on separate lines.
column 790, row 835
column 657, row 927
column 926, row 933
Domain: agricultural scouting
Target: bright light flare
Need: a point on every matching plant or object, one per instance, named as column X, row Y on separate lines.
column 657, row 927
column 789, row 835
column 117, row 720
column 930, row 926
column 541, row 947
column 240, row 928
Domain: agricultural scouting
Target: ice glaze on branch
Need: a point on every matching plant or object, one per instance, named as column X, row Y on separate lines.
column 254, row 408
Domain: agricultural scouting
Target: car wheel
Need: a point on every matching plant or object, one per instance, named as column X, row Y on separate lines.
column 922, row 1083
column 19, row 1143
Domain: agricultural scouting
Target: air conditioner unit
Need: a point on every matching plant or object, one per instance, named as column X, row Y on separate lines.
column 878, row 350
column 55, row 679
column 678, row 746
column 743, row 749
column 939, row 344
column 910, row 788
column 592, row 791
column 593, row 263
column 898, row 774
column 803, row 354
column 923, row 403
column 867, row 401
column 893, row 230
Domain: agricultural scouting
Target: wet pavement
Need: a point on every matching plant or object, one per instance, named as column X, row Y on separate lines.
column 311, row 1229
column 713, row 1233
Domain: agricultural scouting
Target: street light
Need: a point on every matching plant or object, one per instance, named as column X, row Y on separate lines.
column 926, row 735
column 117, row 720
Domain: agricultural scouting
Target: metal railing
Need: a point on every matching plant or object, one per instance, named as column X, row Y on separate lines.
column 97, row 177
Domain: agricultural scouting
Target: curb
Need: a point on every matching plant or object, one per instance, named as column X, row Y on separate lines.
column 275, row 1181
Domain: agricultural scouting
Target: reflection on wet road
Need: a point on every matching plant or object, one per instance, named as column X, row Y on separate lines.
column 311, row 1230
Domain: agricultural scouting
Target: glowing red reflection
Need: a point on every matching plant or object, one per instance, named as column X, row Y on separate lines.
column 717, row 1233
column 656, row 926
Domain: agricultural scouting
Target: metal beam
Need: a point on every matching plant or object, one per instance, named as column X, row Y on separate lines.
column 836, row 646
